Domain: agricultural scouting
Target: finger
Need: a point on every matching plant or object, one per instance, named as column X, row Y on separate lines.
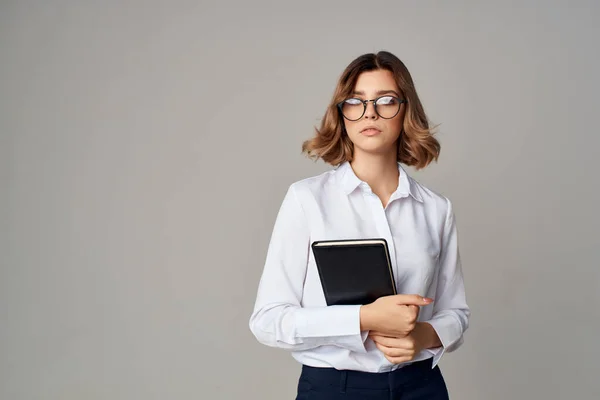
column 390, row 342
column 385, row 334
column 378, row 339
column 404, row 343
column 416, row 309
column 412, row 299
column 400, row 355
column 388, row 351
column 392, row 351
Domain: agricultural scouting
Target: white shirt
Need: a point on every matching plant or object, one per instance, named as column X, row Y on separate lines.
column 290, row 310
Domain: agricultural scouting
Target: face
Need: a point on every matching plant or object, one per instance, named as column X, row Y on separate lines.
column 384, row 135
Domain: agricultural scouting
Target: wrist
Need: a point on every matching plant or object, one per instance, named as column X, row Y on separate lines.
column 365, row 318
column 426, row 335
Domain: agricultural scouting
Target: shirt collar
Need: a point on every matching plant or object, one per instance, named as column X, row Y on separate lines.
column 349, row 181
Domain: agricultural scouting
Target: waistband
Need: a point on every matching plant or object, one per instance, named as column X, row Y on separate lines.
column 328, row 377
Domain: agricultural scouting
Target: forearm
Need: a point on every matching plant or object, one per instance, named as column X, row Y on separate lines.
column 366, row 318
column 426, row 335
column 295, row 328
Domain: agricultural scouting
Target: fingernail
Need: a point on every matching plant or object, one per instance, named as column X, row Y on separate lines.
column 427, row 299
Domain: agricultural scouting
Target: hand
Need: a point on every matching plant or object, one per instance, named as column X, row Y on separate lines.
column 397, row 349
column 395, row 315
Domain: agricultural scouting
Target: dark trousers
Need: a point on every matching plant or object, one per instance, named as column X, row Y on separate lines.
column 417, row 381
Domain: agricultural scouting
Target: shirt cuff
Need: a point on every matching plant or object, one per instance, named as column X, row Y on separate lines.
column 337, row 325
column 449, row 331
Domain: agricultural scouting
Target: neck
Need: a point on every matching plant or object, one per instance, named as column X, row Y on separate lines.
column 379, row 171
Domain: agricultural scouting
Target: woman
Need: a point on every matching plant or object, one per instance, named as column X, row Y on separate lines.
column 388, row 349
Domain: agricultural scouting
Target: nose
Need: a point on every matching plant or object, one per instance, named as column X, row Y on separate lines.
column 370, row 111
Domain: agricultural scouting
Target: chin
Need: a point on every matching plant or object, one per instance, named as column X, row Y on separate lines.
column 371, row 143
column 375, row 149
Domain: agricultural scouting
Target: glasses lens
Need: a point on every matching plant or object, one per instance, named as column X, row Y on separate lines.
column 353, row 109
column 387, row 106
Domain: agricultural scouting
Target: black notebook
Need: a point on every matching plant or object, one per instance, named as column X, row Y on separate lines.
column 356, row 271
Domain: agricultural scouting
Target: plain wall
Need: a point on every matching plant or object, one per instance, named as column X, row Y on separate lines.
column 145, row 148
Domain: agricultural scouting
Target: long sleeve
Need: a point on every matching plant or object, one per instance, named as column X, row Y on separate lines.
column 450, row 312
column 278, row 319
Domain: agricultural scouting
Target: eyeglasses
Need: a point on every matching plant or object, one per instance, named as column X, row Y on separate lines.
column 385, row 106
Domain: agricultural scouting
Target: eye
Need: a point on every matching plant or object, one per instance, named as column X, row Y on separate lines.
column 353, row 102
column 387, row 101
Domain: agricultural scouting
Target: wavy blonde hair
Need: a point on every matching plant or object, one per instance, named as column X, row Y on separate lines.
column 416, row 145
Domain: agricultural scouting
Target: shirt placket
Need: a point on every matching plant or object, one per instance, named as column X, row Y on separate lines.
column 382, row 223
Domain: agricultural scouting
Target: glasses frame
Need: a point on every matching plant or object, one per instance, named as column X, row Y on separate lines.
column 374, row 101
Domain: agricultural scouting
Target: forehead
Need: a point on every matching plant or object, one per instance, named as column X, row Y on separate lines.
column 371, row 82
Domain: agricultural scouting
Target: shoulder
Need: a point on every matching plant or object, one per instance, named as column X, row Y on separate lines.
column 434, row 202
column 313, row 185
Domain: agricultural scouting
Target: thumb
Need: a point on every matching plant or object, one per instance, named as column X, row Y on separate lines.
column 412, row 299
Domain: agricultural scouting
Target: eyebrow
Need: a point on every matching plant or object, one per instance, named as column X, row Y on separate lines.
column 378, row 93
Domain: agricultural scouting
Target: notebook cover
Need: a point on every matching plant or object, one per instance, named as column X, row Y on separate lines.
column 358, row 273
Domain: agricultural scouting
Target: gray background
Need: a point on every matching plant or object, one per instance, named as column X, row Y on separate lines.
column 145, row 149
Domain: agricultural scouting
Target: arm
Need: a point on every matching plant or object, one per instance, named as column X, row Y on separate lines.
column 427, row 336
column 450, row 311
column 278, row 319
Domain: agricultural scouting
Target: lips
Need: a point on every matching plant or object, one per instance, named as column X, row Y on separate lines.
column 370, row 131
column 370, row 127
